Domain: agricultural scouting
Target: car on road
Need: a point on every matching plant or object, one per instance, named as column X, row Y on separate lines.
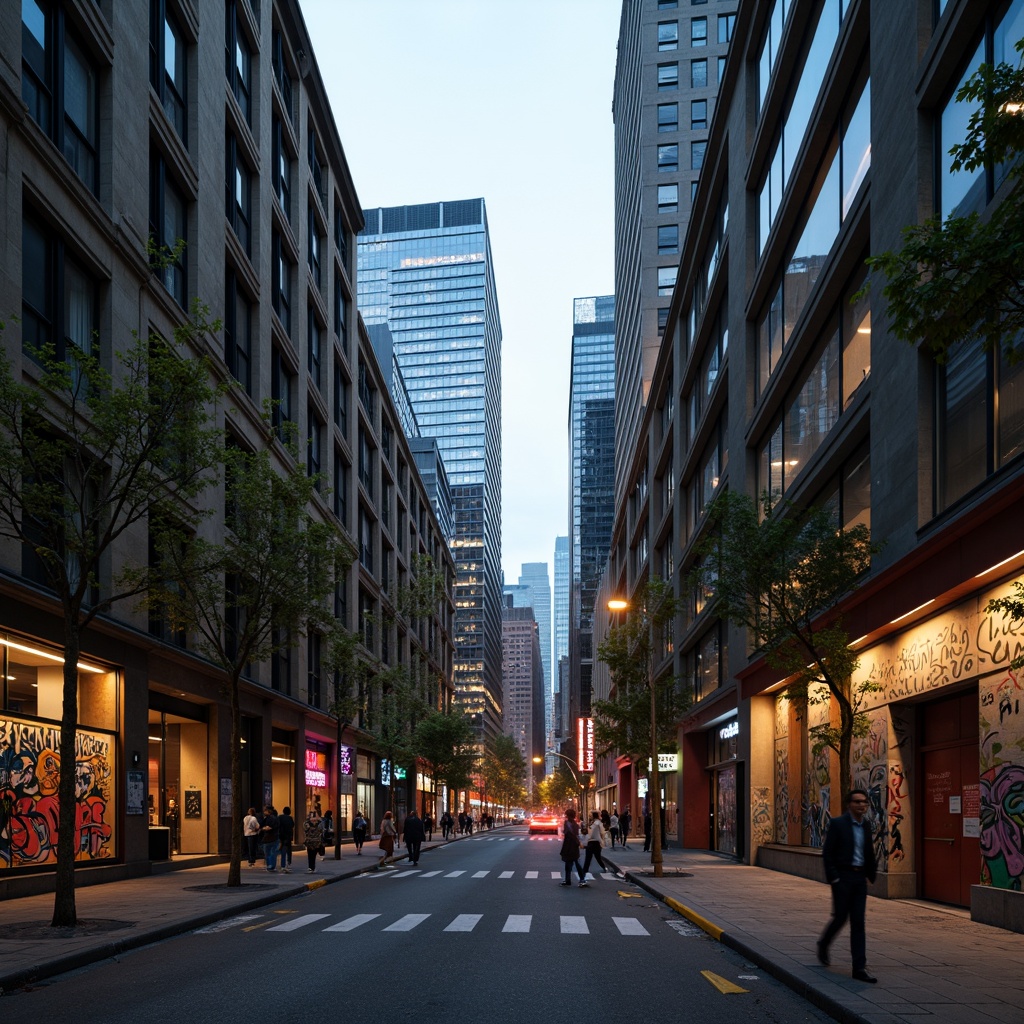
column 544, row 823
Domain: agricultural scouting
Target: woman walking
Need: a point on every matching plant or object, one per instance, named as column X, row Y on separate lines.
column 595, row 841
column 388, row 832
column 312, row 838
column 570, row 852
column 359, row 832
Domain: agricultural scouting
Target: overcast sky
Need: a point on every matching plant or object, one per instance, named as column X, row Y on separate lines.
column 510, row 100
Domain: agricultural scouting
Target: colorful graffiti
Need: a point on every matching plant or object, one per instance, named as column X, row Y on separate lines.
column 29, row 806
column 782, row 807
column 870, row 769
column 761, row 815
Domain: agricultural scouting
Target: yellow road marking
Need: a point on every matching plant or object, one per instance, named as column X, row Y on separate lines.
column 285, row 911
column 255, row 927
column 722, row 984
column 629, row 895
column 316, row 884
column 691, row 915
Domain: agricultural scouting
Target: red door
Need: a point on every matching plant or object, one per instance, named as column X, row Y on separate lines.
column 941, row 831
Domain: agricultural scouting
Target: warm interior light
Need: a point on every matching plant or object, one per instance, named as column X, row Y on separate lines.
column 906, row 615
column 998, row 565
column 82, row 666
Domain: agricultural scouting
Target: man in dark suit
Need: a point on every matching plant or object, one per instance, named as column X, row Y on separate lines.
column 849, row 858
column 414, row 835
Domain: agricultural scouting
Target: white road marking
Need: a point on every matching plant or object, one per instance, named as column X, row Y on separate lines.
column 506, row 874
column 556, row 875
column 352, row 922
column 231, row 922
column 407, row 923
column 518, row 923
column 573, row 926
column 464, row 923
column 531, row 874
column 481, row 874
column 454, row 874
column 429, row 874
column 297, row 922
column 630, row 926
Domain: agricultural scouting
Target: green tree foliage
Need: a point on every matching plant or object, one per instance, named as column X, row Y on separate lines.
column 961, row 280
column 269, row 581
column 1013, row 608
column 446, row 744
column 503, row 770
column 622, row 723
column 91, row 446
column 393, row 710
column 781, row 574
column 560, row 788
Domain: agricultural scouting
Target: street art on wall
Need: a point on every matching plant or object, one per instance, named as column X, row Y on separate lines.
column 29, row 772
column 870, row 773
column 817, row 782
column 1002, row 780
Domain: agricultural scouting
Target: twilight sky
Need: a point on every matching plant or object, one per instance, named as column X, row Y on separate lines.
column 509, row 100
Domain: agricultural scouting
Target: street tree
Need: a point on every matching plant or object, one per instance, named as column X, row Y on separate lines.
column 781, row 574
column 560, row 788
column 95, row 442
column 269, row 581
column 960, row 281
column 503, row 769
column 446, row 744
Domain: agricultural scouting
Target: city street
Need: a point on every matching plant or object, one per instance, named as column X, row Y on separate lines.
column 481, row 928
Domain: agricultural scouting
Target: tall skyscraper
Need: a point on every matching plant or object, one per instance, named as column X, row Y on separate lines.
column 560, row 650
column 592, row 480
column 523, row 679
column 427, row 271
column 666, row 83
column 536, row 578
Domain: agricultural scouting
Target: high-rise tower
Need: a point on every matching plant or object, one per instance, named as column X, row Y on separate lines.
column 427, row 271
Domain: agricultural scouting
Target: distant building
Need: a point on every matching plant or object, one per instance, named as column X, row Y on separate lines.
column 536, row 578
column 560, row 648
column 427, row 272
column 523, row 681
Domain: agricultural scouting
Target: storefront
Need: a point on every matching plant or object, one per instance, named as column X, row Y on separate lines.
column 725, row 787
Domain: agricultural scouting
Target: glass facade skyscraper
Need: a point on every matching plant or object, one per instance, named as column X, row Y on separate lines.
column 592, row 481
column 427, row 271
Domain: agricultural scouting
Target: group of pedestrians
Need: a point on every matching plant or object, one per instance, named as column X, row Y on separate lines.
column 270, row 833
column 572, row 844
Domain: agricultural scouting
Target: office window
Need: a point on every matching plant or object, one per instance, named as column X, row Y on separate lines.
column 314, row 346
column 340, row 312
column 693, row 191
column 721, row 69
column 59, row 301
column 662, row 320
column 340, row 491
column 237, row 331
column 313, row 444
column 238, row 198
column 317, row 167
column 282, row 387
column 726, row 24
column 668, row 198
column 314, row 247
column 167, row 225
column 698, row 31
column 697, row 150
column 668, row 117
column 167, row 65
column 668, row 239
column 59, row 83
column 340, row 233
column 282, row 169
column 668, row 76
column 667, row 279
column 238, row 59
column 281, row 285
column 698, row 114
column 282, row 75
column 698, row 74
column 668, row 157
column 665, row 5
column 340, row 397
column 668, row 35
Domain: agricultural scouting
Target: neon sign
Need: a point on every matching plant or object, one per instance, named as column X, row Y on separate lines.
column 345, row 761
column 316, row 774
column 585, row 743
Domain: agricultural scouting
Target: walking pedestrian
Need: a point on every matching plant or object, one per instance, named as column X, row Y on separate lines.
column 328, row 829
column 570, row 851
column 595, row 842
column 359, row 832
column 270, row 836
column 251, row 835
column 614, row 828
column 428, row 826
column 413, row 835
column 849, row 858
column 313, row 838
column 447, row 823
column 648, row 824
column 625, row 821
column 287, row 829
column 388, row 833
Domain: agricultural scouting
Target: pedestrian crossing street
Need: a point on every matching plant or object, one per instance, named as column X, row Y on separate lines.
column 532, row 876
column 521, row 924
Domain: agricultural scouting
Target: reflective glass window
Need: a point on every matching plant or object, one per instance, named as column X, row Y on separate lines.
column 698, row 74
column 668, row 35
column 668, row 76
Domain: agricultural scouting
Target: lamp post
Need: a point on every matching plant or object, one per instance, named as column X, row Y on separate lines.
column 654, row 776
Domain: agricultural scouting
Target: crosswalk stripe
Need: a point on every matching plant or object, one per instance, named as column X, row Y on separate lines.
column 352, row 922
column 506, row 874
column 409, row 873
column 454, row 874
column 407, row 923
column 531, row 874
column 297, row 922
column 630, row 926
column 518, row 923
column 556, row 875
column 481, row 874
column 464, row 923
column 430, row 874
column 573, row 926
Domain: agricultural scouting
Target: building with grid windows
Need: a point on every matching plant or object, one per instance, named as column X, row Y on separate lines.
column 122, row 123
column 523, row 680
column 427, row 271
column 591, row 481
column 779, row 373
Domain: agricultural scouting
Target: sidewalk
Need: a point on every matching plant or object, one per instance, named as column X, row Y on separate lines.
column 929, row 960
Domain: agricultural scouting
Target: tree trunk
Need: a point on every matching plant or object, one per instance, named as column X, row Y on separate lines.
column 65, row 914
column 235, row 863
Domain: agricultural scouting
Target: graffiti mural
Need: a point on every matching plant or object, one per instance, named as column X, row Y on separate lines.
column 29, row 772
column 761, row 815
column 817, row 783
column 870, row 773
column 781, row 769
column 1001, row 795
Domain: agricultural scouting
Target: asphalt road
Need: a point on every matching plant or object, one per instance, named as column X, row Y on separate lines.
column 480, row 931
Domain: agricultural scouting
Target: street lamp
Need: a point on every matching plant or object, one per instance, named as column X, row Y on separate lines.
column 617, row 604
column 579, row 784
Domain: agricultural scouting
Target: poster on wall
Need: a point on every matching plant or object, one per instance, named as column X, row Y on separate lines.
column 193, row 803
column 135, row 793
column 29, row 771
column 225, row 798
